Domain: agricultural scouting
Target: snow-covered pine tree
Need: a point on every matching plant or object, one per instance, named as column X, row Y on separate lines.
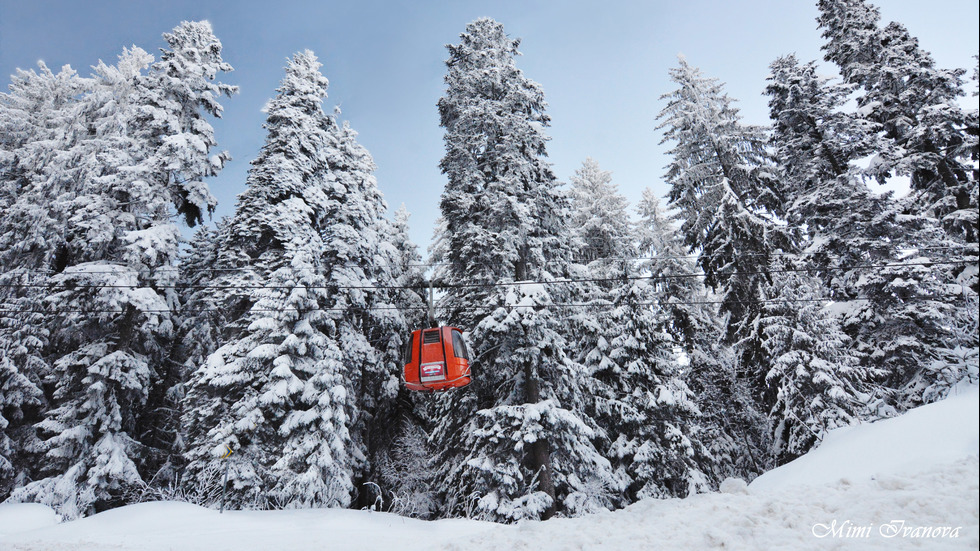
column 730, row 425
column 32, row 118
column 408, row 267
column 38, row 118
column 98, row 374
column 409, row 271
column 875, row 260
column 19, row 395
column 514, row 444
column 637, row 398
column 276, row 391
column 201, row 321
column 310, row 344
column 37, row 122
column 197, row 336
column 178, row 95
column 110, row 301
column 642, row 401
column 365, row 258
column 725, row 192
column 915, row 102
column 533, row 425
column 724, row 189
column 601, row 240
column 602, row 245
column 676, row 277
column 930, row 137
column 814, row 142
column 22, row 368
column 600, row 225
column 903, row 310
column 818, row 379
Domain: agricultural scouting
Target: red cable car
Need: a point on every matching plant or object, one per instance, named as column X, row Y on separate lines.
column 436, row 359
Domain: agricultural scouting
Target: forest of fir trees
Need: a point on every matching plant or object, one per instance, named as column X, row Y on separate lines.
column 620, row 353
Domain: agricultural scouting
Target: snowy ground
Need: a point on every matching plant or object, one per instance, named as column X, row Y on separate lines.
column 905, row 483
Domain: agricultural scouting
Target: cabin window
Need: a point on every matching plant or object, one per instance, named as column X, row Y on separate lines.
column 407, row 350
column 459, row 347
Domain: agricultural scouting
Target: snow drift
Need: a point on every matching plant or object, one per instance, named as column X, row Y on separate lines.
column 905, row 483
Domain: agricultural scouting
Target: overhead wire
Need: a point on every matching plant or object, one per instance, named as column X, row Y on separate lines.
column 591, row 304
column 442, row 285
column 55, row 287
column 828, row 256
column 594, row 304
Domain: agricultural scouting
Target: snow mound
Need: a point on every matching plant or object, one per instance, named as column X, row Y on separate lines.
column 165, row 526
column 800, row 518
column 733, row 486
column 19, row 517
column 905, row 483
column 926, row 436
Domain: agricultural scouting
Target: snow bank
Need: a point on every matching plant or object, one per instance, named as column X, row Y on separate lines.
column 904, row 483
column 803, row 518
column 933, row 434
column 166, row 526
column 20, row 517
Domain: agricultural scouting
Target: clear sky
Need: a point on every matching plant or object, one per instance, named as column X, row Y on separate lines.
column 603, row 66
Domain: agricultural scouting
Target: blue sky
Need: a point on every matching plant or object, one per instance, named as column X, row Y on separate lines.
column 603, row 66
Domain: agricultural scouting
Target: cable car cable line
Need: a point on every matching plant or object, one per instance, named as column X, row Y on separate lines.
column 488, row 307
column 54, row 286
column 801, row 255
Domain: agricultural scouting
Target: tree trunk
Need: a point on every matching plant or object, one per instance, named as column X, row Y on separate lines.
column 538, row 455
column 538, row 458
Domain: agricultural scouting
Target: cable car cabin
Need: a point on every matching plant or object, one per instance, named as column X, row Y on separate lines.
column 436, row 359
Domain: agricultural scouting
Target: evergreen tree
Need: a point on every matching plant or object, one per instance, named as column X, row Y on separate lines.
column 815, row 141
column 408, row 271
column 602, row 237
column 201, row 322
column 110, row 300
column 275, row 391
column 102, row 352
column 600, row 225
column 39, row 118
column 364, row 255
column 35, row 119
column 927, row 132
column 514, row 444
column 19, row 395
column 642, row 401
column 675, row 276
column 399, row 459
column 198, row 333
column 933, row 140
column 638, row 398
column 309, row 347
column 857, row 242
column 724, row 189
column 178, row 95
column 408, row 263
column 817, row 377
column 730, row 426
